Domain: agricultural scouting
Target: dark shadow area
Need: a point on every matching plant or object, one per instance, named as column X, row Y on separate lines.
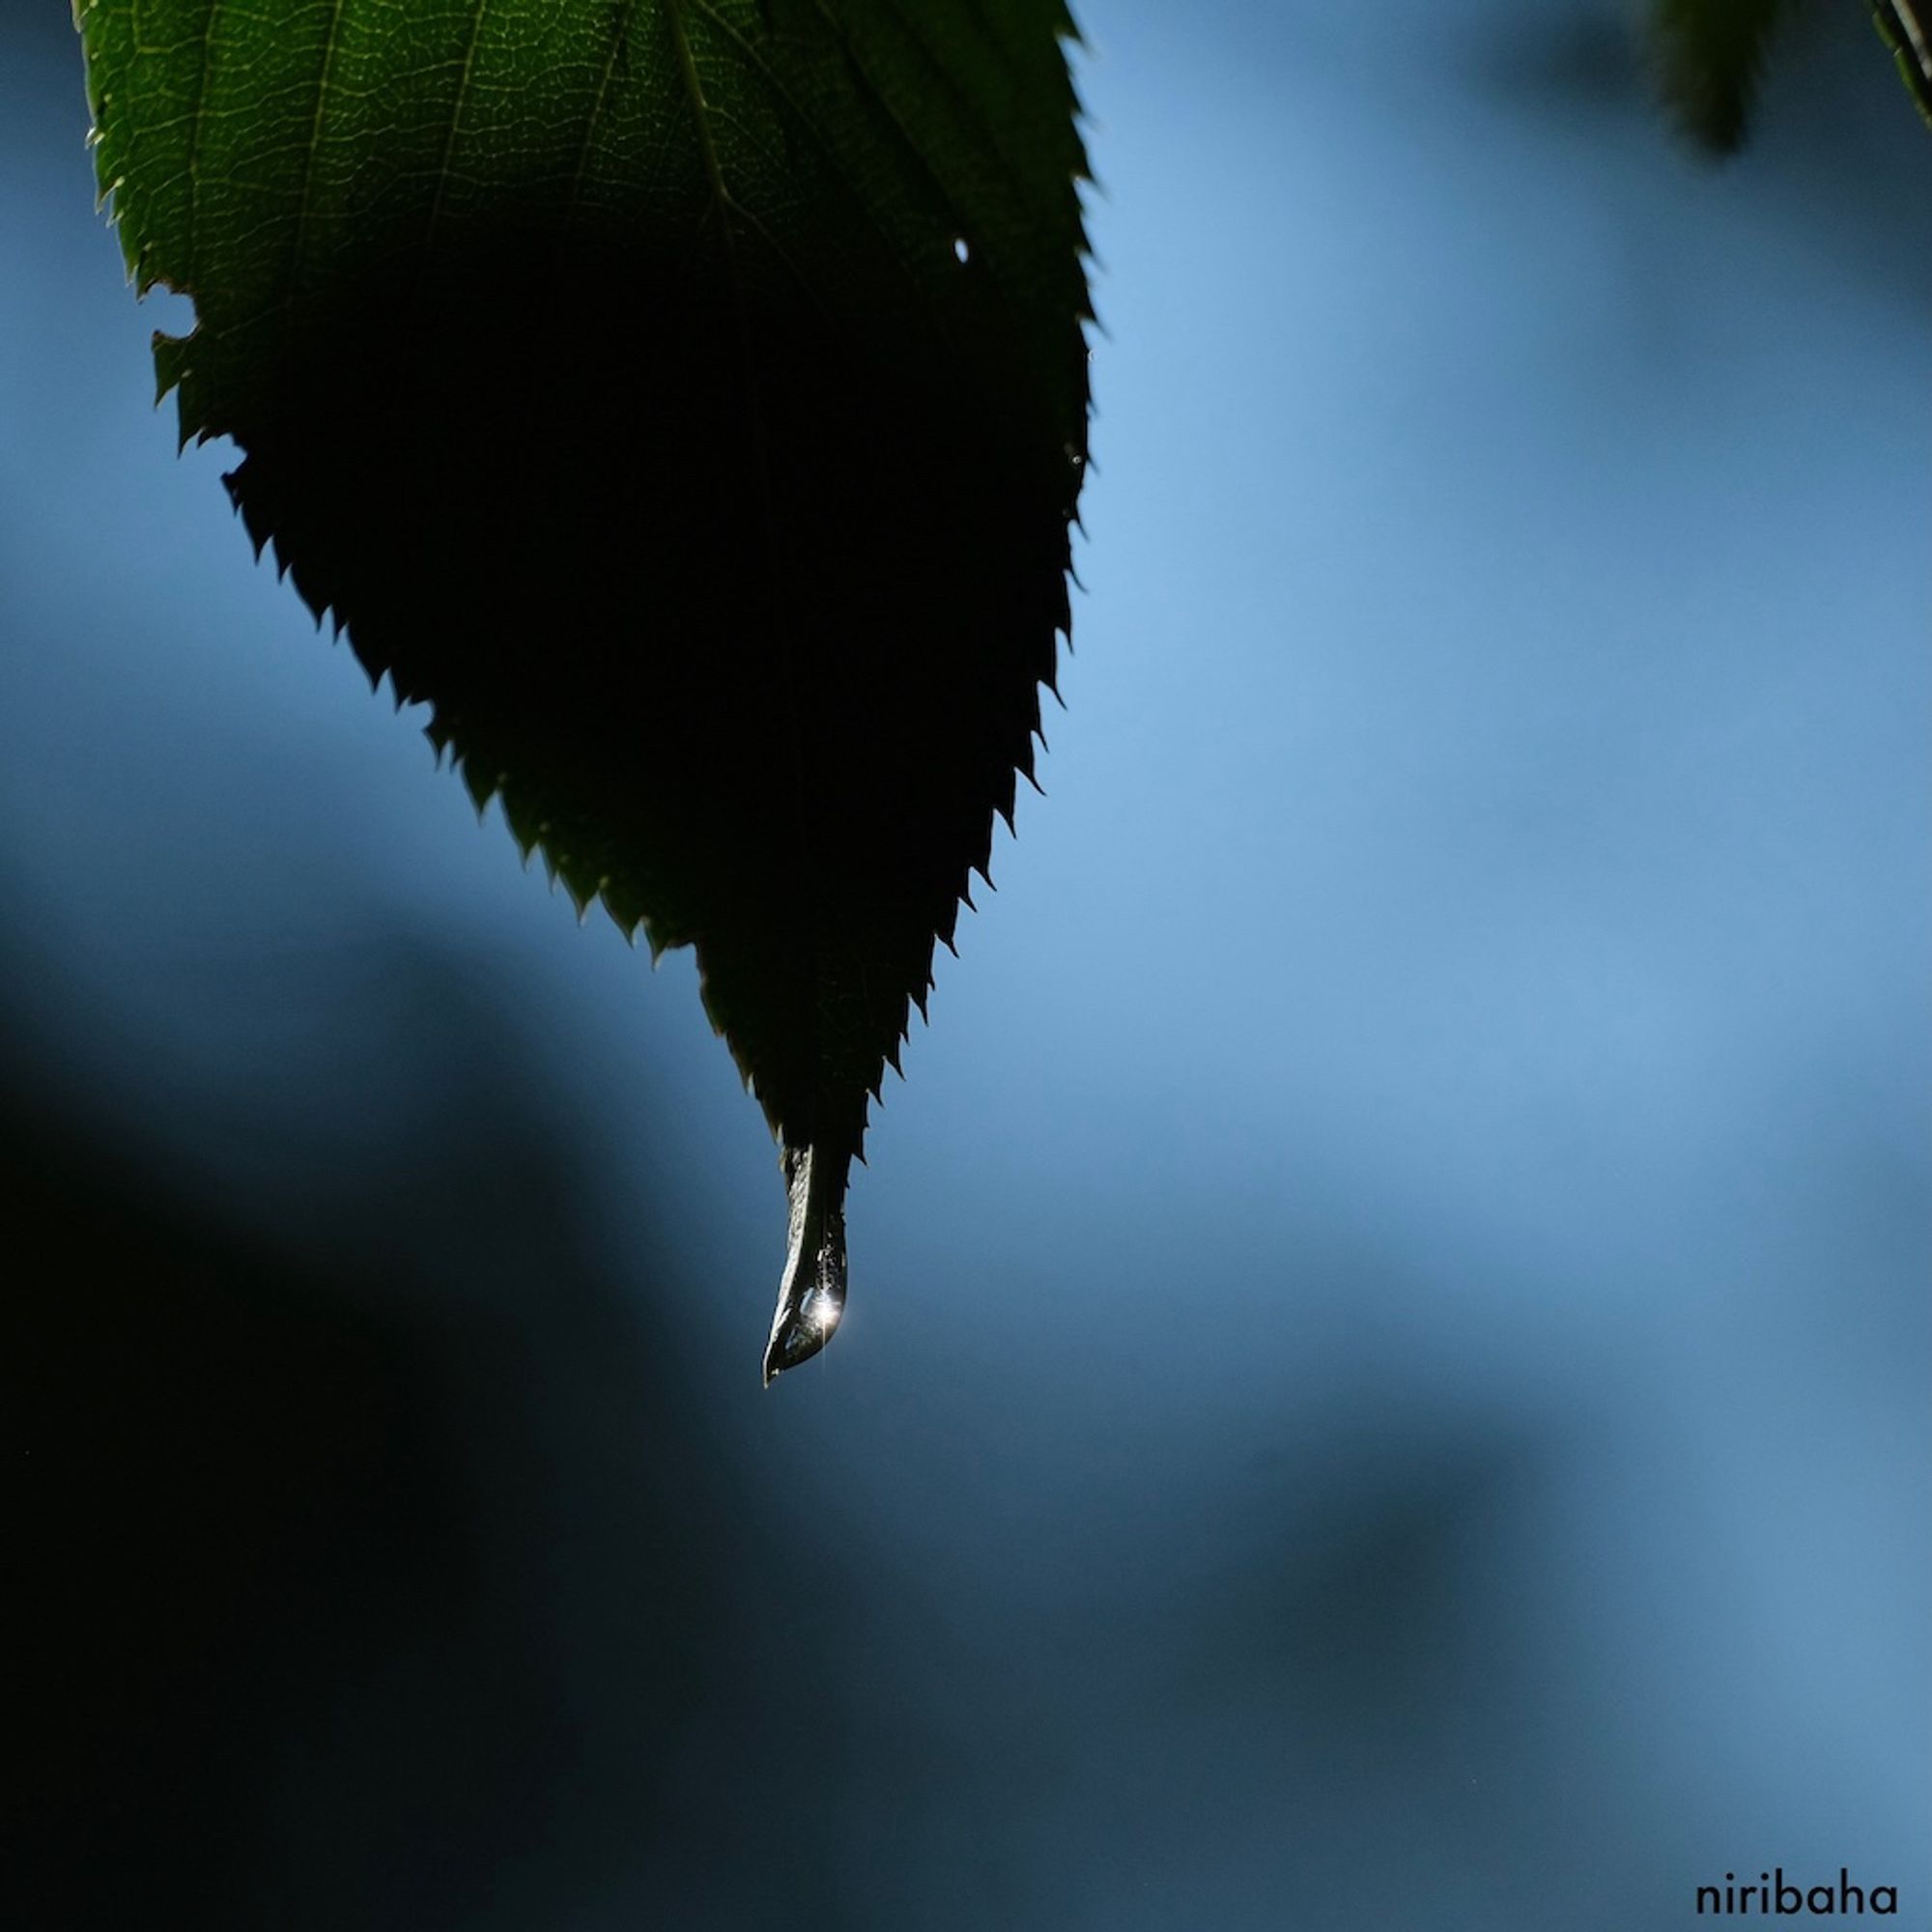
column 1357, row 1605
column 350, row 1595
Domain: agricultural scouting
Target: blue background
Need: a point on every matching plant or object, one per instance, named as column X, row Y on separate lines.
column 1386, row 1380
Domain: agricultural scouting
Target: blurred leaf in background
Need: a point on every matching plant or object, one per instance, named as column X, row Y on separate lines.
column 1711, row 55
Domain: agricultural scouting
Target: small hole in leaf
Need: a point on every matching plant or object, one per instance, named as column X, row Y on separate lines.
column 960, row 251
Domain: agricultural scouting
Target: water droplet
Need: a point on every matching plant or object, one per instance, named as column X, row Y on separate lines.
column 811, row 1291
column 960, row 251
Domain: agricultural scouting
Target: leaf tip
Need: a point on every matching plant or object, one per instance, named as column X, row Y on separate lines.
column 811, row 1291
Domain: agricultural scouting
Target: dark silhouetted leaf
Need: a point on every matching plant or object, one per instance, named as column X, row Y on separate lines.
column 688, row 401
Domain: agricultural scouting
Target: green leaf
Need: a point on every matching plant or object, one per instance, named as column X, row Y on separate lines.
column 1709, row 57
column 688, row 401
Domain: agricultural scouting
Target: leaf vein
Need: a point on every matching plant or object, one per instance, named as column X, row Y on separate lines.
column 197, row 115
column 442, row 172
column 620, row 28
column 299, row 254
